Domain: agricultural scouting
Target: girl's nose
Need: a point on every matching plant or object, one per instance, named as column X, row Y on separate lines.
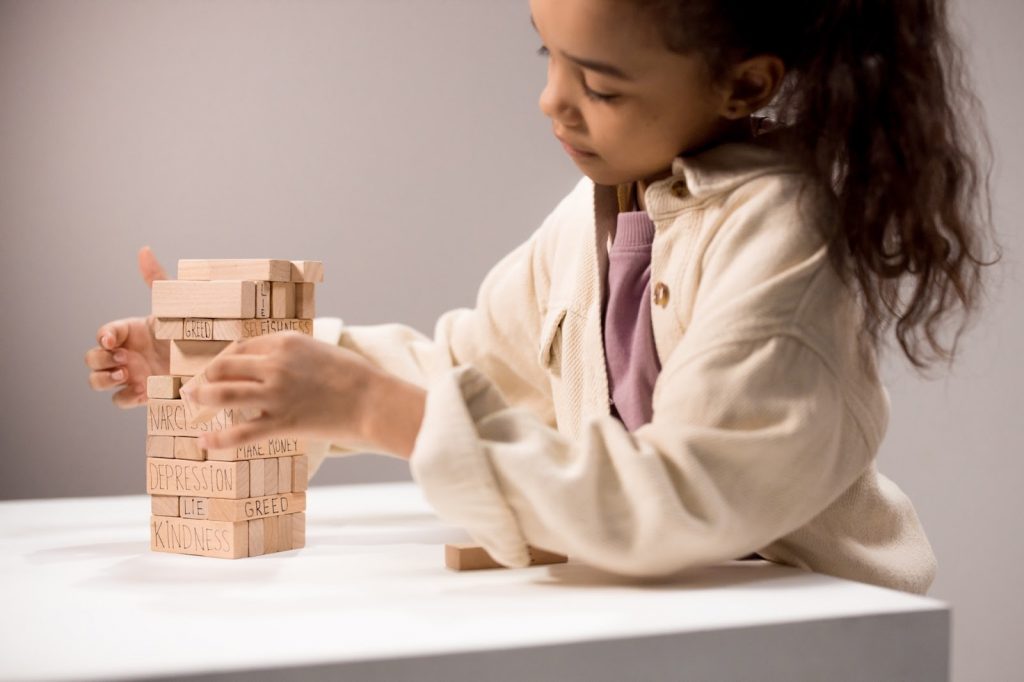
column 554, row 102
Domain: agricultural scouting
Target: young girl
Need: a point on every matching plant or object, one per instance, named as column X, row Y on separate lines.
column 679, row 366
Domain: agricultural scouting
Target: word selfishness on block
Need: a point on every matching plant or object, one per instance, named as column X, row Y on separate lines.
column 232, row 502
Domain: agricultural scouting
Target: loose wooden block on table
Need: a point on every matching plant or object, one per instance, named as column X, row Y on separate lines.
column 187, row 447
column 189, row 358
column 473, row 557
column 305, row 300
column 219, row 509
column 307, row 271
column 160, row 446
column 232, row 330
column 174, row 418
column 254, row 269
column 168, row 328
column 282, row 300
column 207, row 479
column 222, row 299
column 165, row 387
column 197, row 329
column 223, row 539
column 164, row 505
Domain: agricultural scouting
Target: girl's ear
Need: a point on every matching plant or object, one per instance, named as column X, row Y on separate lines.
column 751, row 84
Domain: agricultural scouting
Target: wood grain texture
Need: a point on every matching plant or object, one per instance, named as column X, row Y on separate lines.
column 474, row 558
column 232, row 330
column 222, row 539
column 217, row 299
column 307, row 271
column 187, row 447
column 252, row 269
column 189, row 358
column 164, row 505
column 305, row 300
column 282, row 300
column 168, row 328
column 300, row 473
column 207, row 479
column 160, row 446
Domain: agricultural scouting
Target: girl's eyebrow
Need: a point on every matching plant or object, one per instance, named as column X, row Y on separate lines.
column 600, row 67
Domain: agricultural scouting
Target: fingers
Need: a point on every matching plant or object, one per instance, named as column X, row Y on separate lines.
column 234, row 367
column 150, row 267
column 113, row 334
column 102, row 381
column 102, row 359
column 246, row 432
column 130, row 396
column 230, row 393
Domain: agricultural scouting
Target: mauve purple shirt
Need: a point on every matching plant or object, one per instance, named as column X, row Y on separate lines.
column 630, row 353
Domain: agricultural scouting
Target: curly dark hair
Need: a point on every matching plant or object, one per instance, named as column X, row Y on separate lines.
column 876, row 95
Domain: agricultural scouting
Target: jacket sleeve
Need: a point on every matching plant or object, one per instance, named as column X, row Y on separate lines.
column 498, row 336
column 750, row 438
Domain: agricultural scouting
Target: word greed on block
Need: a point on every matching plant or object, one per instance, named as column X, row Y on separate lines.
column 232, row 502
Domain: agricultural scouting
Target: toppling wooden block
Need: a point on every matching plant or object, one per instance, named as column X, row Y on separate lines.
column 225, row 299
column 474, row 558
column 252, row 269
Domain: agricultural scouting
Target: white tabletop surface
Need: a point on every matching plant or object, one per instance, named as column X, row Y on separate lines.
column 86, row 599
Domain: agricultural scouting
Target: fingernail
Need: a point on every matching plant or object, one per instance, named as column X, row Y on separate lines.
column 108, row 340
column 120, row 356
column 118, row 375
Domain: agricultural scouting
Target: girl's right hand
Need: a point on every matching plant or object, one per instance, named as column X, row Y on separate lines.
column 127, row 351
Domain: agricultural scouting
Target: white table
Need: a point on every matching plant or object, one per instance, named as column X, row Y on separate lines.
column 369, row 599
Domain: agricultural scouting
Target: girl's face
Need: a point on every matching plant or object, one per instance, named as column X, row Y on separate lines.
column 624, row 104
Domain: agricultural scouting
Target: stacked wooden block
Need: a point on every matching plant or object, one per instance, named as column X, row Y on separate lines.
column 234, row 502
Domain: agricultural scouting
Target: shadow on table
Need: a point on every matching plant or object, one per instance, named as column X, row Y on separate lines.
column 730, row 574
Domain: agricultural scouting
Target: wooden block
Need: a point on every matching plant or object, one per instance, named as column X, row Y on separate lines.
column 174, row 418
column 271, row 535
column 282, row 300
column 270, row 469
column 472, row 558
column 165, row 387
column 256, row 545
column 305, row 300
column 307, row 271
column 190, row 358
column 160, row 446
column 298, row 530
column 168, row 328
column 187, row 447
column 231, row 330
column 222, row 539
column 207, row 479
column 219, row 509
column 284, row 529
column 235, row 268
column 256, row 478
column 164, row 505
column 197, row 329
column 284, row 474
column 263, row 291
column 300, row 473
column 284, row 448
column 218, row 299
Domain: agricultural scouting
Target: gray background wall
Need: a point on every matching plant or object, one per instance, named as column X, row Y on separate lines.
column 399, row 142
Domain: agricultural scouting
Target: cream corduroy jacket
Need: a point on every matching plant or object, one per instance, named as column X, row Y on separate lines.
column 766, row 419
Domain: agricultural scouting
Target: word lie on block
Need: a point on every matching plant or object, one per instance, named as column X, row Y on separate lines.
column 217, row 509
column 473, row 558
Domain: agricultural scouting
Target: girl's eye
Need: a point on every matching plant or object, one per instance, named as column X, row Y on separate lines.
column 591, row 94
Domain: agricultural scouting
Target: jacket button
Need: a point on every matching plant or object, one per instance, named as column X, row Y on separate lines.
column 678, row 189
column 660, row 294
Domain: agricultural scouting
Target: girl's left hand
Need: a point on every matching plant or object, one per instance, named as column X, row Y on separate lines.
column 301, row 386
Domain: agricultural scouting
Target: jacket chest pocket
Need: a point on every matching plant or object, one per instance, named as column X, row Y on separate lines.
column 549, row 353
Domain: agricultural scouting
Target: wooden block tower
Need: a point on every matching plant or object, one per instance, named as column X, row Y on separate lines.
column 236, row 502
